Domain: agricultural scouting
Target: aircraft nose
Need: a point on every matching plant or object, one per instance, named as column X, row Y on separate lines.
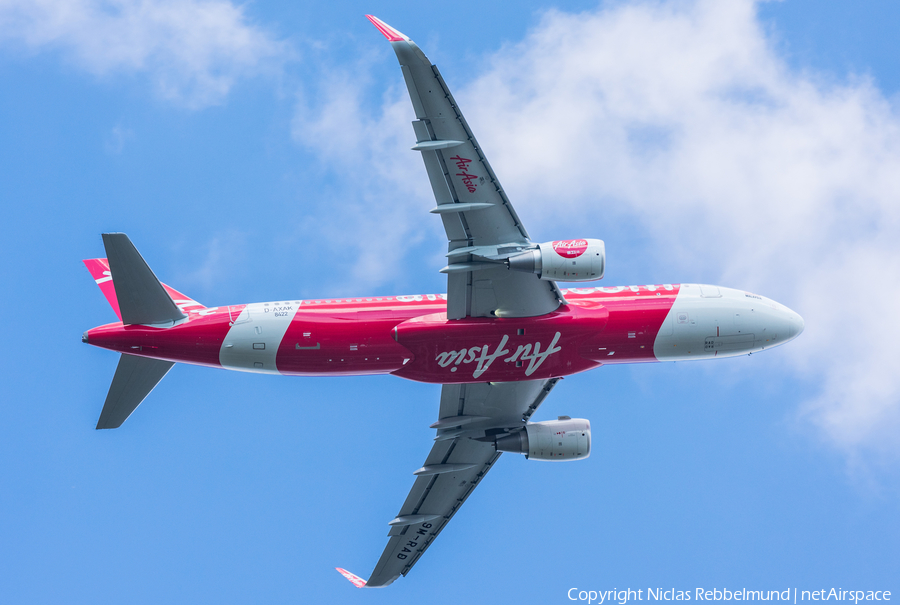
column 799, row 324
column 796, row 323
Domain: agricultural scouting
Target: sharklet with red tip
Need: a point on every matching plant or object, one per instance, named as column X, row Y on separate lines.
column 389, row 32
column 354, row 579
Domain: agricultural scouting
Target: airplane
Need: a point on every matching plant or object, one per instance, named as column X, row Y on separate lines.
column 498, row 341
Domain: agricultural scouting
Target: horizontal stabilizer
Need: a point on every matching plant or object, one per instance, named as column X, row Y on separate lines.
column 140, row 296
column 135, row 378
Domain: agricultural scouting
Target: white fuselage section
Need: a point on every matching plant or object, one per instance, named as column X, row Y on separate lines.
column 252, row 342
column 712, row 321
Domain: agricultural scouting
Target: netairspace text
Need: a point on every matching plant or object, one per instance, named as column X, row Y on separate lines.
column 791, row 595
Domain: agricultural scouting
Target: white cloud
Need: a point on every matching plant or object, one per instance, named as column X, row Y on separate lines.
column 116, row 139
column 384, row 203
column 217, row 258
column 684, row 117
column 194, row 50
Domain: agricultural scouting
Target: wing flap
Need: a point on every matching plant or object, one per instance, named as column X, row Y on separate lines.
column 500, row 403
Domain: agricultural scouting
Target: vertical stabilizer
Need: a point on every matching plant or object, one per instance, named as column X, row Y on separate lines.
column 135, row 378
column 99, row 269
column 140, row 296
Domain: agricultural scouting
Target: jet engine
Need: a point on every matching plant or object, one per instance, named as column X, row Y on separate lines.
column 566, row 260
column 562, row 439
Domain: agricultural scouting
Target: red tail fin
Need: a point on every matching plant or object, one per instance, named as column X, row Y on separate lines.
column 99, row 268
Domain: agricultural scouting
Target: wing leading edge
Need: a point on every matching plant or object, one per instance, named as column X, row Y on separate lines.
column 482, row 226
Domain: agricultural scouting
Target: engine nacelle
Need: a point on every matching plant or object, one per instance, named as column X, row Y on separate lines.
column 562, row 439
column 565, row 260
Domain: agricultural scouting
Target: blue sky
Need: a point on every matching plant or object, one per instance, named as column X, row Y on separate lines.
column 260, row 152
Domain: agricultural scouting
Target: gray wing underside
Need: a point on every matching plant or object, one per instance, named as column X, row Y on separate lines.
column 135, row 377
column 455, row 466
column 141, row 297
column 481, row 224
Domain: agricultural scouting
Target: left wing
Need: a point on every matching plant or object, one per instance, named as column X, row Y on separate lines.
column 482, row 226
column 456, row 464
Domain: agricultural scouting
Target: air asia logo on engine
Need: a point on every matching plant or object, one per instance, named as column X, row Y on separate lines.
column 570, row 248
column 467, row 179
column 484, row 358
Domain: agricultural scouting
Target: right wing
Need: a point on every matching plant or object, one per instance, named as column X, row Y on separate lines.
column 456, row 464
column 481, row 224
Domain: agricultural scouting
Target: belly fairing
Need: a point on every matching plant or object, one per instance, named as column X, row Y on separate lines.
column 499, row 349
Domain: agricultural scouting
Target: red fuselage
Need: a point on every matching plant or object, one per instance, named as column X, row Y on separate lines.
column 408, row 336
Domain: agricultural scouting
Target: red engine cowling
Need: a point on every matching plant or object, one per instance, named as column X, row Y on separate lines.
column 559, row 440
column 564, row 260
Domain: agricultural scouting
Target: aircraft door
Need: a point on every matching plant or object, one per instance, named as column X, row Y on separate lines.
column 236, row 315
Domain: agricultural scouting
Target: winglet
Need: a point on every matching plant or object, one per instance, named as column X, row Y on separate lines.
column 389, row 32
column 354, row 579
